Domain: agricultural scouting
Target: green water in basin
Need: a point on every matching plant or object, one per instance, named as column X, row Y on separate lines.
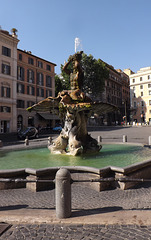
column 119, row 155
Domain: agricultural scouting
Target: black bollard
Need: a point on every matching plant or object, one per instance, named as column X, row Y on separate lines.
column 63, row 193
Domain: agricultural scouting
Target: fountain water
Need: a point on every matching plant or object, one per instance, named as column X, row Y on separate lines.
column 78, row 44
column 118, row 155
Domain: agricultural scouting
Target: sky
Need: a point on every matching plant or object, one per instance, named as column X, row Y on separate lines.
column 116, row 31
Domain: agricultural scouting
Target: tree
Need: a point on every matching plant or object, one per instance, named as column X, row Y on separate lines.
column 66, row 77
column 61, row 83
column 58, row 85
column 95, row 72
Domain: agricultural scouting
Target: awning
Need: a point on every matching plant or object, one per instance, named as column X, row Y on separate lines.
column 49, row 116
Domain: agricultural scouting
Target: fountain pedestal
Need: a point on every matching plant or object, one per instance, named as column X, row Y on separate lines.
column 74, row 108
column 74, row 138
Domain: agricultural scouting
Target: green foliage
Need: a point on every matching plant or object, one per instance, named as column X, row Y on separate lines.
column 61, row 84
column 95, row 73
column 58, row 85
column 66, row 77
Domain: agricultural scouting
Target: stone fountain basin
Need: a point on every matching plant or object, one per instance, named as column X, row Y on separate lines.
column 140, row 169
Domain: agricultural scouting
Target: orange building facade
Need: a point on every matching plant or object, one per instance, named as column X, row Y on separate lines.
column 25, row 79
column 35, row 82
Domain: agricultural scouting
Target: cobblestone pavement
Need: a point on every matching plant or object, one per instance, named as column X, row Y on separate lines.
column 77, row 232
column 86, row 202
column 83, row 198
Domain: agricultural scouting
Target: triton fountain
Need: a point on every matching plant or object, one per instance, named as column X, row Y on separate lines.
column 74, row 107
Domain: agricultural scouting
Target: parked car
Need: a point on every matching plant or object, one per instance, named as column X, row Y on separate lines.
column 30, row 132
column 57, row 129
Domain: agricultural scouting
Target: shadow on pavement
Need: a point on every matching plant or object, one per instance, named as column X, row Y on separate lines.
column 95, row 211
column 12, row 207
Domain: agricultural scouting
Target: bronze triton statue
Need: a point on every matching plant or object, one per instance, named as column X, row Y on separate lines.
column 74, row 108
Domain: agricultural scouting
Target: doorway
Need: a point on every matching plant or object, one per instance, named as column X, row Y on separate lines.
column 5, row 126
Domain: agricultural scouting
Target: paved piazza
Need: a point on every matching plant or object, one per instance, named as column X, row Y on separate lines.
column 112, row 214
column 77, row 232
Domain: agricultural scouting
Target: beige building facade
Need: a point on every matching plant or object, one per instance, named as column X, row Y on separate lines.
column 140, row 95
column 8, row 81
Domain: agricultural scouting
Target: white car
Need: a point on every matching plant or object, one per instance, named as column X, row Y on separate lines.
column 30, row 132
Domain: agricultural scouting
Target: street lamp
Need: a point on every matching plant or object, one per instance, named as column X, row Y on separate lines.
column 142, row 118
column 125, row 117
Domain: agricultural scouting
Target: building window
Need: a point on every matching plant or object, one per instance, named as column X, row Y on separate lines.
column 141, row 78
column 48, row 67
column 6, row 69
column 150, row 111
column 40, row 79
column 30, row 103
column 30, row 90
column 149, row 92
column 31, row 61
column 149, row 102
column 20, row 88
column 19, row 122
column 5, row 92
column 5, row 126
column 133, row 88
column 6, row 51
column 148, row 77
column 141, row 94
column 5, row 109
column 31, row 121
column 40, row 64
column 142, row 103
column 48, row 81
column 135, row 105
column 133, row 80
column 40, row 92
column 20, row 73
column 30, row 76
column 149, row 85
column 20, row 56
column 20, row 104
column 48, row 93
column 141, row 86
